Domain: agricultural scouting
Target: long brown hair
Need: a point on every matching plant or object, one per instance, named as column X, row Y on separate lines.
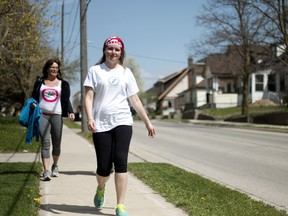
column 48, row 64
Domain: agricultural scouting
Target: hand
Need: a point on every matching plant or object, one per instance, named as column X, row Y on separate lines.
column 33, row 105
column 91, row 125
column 71, row 116
column 151, row 130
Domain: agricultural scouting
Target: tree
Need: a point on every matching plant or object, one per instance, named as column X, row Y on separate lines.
column 276, row 13
column 233, row 22
column 71, row 70
column 23, row 47
column 132, row 64
column 275, row 30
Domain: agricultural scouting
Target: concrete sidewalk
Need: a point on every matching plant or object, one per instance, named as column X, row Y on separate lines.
column 72, row 192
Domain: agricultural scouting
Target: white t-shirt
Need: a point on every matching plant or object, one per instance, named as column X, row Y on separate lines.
column 111, row 88
column 50, row 99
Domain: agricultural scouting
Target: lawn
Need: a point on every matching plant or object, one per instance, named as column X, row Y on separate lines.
column 230, row 111
column 12, row 137
column 19, row 189
column 197, row 195
column 19, row 182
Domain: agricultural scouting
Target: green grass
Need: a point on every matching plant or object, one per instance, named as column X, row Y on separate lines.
column 13, row 136
column 222, row 112
column 19, row 189
column 71, row 124
column 197, row 195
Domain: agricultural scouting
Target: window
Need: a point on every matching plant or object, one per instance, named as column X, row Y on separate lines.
column 272, row 82
column 259, row 82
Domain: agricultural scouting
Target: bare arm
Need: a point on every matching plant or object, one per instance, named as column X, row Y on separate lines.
column 88, row 108
column 137, row 105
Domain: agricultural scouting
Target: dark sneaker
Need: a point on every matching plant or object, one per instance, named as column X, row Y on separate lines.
column 46, row 176
column 121, row 210
column 55, row 172
column 99, row 198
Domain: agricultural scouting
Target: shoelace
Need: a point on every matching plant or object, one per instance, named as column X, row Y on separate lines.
column 100, row 193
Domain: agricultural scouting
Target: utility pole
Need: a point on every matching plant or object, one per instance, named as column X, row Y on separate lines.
column 62, row 35
column 83, row 59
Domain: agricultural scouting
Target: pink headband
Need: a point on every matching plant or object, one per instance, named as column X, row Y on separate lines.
column 114, row 40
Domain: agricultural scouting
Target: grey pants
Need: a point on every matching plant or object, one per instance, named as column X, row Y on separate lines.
column 51, row 127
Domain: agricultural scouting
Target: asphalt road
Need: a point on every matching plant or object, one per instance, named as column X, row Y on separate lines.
column 253, row 162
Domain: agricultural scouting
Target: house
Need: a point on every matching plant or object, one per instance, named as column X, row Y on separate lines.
column 221, row 79
column 195, row 95
column 215, row 81
column 162, row 96
column 268, row 84
column 270, row 81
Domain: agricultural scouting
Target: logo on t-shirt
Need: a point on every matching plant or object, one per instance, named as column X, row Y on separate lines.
column 113, row 81
column 50, row 95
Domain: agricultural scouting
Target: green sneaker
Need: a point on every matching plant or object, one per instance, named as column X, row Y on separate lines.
column 121, row 210
column 99, row 198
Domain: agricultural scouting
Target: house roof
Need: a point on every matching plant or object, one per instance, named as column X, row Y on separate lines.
column 178, row 77
column 199, row 68
column 223, row 65
column 275, row 63
column 169, row 78
column 172, row 80
column 231, row 62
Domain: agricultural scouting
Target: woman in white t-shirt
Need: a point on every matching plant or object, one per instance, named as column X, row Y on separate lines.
column 108, row 86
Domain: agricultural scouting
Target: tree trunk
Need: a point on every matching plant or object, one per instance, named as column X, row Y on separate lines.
column 245, row 93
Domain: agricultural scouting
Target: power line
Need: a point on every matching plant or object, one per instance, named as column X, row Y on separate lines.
column 73, row 22
column 76, row 38
column 78, row 33
column 54, row 21
column 158, row 59
column 147, row 57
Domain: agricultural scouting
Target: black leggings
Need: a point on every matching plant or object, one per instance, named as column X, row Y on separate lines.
column 112, row 147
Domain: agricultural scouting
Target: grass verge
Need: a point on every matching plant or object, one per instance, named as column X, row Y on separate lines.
column 19, row 189
column 197, row 195
column 230, row 111
column 13, row 137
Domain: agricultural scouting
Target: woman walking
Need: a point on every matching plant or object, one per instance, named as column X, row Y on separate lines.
column 53, row 96
column 109, row 86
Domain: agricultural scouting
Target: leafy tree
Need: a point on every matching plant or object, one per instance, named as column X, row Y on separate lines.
column 233, row 22
column 71, row 70
column 132, row 64
column 23, row 47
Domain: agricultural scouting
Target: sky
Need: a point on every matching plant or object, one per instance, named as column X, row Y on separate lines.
column 156, row 33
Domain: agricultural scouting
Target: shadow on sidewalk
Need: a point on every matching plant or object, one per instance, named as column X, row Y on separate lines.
column 89, row 173
column 54, row 208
